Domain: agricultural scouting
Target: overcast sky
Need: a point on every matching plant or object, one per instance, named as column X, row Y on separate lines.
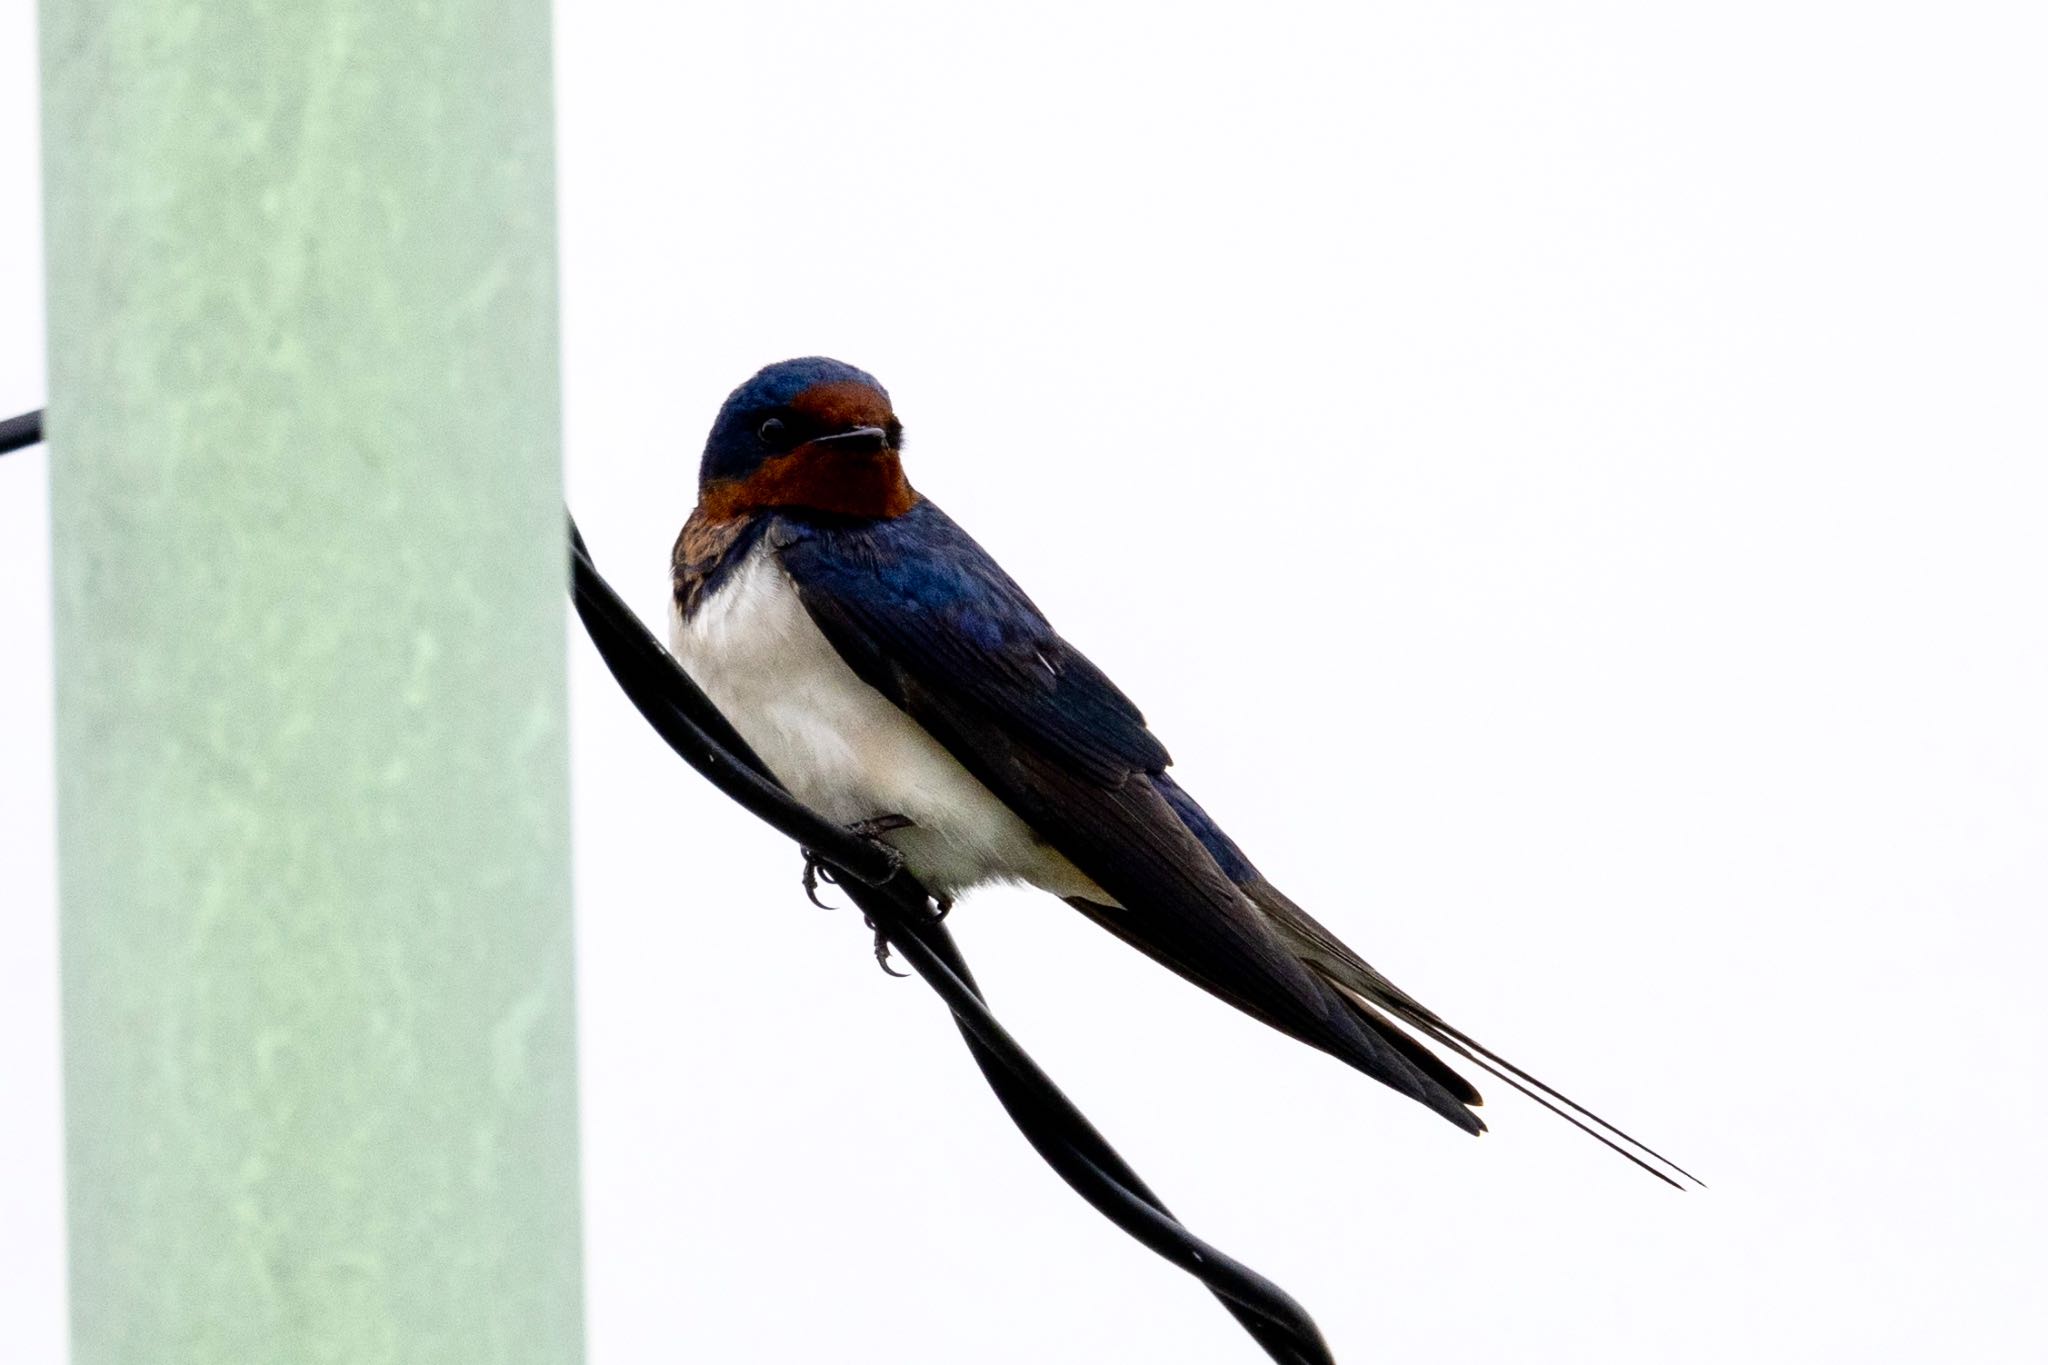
column 1568, row 484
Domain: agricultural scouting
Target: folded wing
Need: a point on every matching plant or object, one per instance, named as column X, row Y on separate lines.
column 924, row 616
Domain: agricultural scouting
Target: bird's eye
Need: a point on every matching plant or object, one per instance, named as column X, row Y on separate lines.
column 772, row 431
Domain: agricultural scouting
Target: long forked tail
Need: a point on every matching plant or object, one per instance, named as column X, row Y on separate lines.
column 1375, row 997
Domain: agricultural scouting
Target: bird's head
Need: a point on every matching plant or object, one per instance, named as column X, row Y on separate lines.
column 811, row 434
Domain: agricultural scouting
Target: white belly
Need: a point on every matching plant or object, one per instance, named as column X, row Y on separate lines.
column 846, row 750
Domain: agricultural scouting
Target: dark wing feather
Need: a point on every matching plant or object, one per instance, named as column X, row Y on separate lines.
column 917, row 595
column 1371, row 992
column 922, row 614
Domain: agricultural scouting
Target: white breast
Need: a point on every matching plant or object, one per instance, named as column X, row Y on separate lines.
column 846, row 750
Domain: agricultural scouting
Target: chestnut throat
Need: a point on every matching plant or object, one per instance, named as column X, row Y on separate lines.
column 866, row 485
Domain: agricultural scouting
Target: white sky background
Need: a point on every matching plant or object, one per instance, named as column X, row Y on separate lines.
column 1569, row 488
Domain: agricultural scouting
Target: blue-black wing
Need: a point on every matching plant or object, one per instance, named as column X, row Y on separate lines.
column 923, row 615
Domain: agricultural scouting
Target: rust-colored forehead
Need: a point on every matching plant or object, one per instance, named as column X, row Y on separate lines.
column 843, row 403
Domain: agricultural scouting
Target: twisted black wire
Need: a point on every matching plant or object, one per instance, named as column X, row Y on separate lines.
column 900, row 908
column 16, row 433
column 1062, row 1136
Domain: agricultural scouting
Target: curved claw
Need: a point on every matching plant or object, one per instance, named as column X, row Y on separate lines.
column 882, row 951
column 816, row 870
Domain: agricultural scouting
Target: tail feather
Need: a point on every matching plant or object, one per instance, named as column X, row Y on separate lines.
column 1371, row 992
column 1358, row 1037
column 1561, row 1105
column 1418, row 1056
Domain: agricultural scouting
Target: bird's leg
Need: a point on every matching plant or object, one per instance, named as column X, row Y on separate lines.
column 940, row 906
column 875, row 826
column 882, row 948
column 817, row 870
column 872, row 829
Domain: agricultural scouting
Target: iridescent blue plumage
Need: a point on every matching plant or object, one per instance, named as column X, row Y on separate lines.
column 919, row 589
column 732, row 450
column 922, row 614
column 886, row 656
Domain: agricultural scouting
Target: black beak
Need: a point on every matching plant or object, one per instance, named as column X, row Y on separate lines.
column 859, row 441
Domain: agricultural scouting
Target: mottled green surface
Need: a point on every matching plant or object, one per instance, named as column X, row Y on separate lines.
column 313, row 808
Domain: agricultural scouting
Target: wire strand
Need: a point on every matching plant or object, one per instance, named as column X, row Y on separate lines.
column 901, row 909
column 19, row 433
column 1063, row 1137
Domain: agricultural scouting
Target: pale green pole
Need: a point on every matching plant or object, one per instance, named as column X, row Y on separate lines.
column 319, row 1047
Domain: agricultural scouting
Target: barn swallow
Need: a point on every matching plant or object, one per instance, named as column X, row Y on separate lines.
column 895, row 679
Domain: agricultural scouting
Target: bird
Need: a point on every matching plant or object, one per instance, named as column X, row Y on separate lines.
column 894, row 678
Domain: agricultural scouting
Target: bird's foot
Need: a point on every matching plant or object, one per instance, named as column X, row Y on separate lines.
column 940, row 907
column 882, row 948
column 875, row 826
column 817, row 870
